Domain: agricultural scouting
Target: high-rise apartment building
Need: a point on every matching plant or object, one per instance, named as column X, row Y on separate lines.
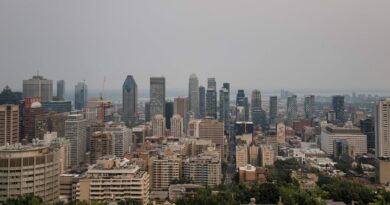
column 158, row 126
column 267, row 155
column 114, row 179
column 30, row 169
column 202, row 102
column 309, row 106
column 280, row 133
column 210, row 129
column 38, row 86
column 204, row 169
column 163, row 170
column 193, row 94
column 382, row 128
column 157, row 96
column 292, row 110
column 32, row 108
column 76, row 133
column 9, row 124
column 181, row 106
column 273, row 109
column 61, row 89
column 241, row 155
column 121, row 138
column 177, row 127
column 80, row 96
column 130, row 101
column 339, row 107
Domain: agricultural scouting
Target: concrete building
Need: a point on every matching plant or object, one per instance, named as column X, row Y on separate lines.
column 32, row 109
column 382, row 171
column 250, row 174
column 130, row 101
column 254, row 155
column 38, row 86
column 267, row 155
column 158, row 126
column 241, row 155
column 181, row 106
column 205, row 169
column 382, row 129
column 50, row 122
column 113, row 180
column 177, row 127
column 280, row 133
column 157, row 96
column 75, row 132
column 80, row 95
column 9, row 124
column 163, row 170
column 210, row 129
column 29, row 169
column 224, row 106
column 101, row 145
column 193, row 95
column 357, row 141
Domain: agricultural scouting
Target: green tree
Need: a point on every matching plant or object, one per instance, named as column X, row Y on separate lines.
column 26, row 199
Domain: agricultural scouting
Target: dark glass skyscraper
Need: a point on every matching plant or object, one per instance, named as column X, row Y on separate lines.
column 273, row 109
column 367, row 127
column 339, row 107
column 224, row 106
column 202, row 102
column 169, row 107
column 309, row 106
column 292, row 110
column 61, row 89
column 80, row 95
column 242, row 101
column 130, row 101
column 157, row 96
column 211, row 98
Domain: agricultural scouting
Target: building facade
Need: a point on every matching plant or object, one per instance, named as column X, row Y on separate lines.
column 38, row 86
column 130, row 101
column 157, row 96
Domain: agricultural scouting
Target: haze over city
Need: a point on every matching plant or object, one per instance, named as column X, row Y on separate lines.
column 251, row 44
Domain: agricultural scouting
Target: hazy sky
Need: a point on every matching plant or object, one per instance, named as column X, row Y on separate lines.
column 251, row 44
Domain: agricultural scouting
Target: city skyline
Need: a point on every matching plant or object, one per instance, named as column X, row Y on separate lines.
column 254, row 40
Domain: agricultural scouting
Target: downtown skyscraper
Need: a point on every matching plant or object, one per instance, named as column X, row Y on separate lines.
column 157, row 96
column 193, row 94
column 273, row 109
column 130, row 101
column 257, row 113
column 309, row 106
column 211, row 98
column 61, row 89
column 292, row 110
column 224, row 105
column 38, row 86
column 339, row 107
column 242, row 103
column 202, row 102
column 80, row 95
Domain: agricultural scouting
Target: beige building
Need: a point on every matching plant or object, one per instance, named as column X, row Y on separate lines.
column 158, row 126
column 267, row 155
column 121, row 138
column 177, row 126
column 241, row 155
column 382, row 128
column 210, row 129
column 352, row 135
column 280, row 133
column 181, row 106
column 114, row 179
column 193, row 128
column 205, row 169
column 9, row 124
column 249, row 174
column 382, row 172
column 29, row 169
column 163, row 170
column 38, row 86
